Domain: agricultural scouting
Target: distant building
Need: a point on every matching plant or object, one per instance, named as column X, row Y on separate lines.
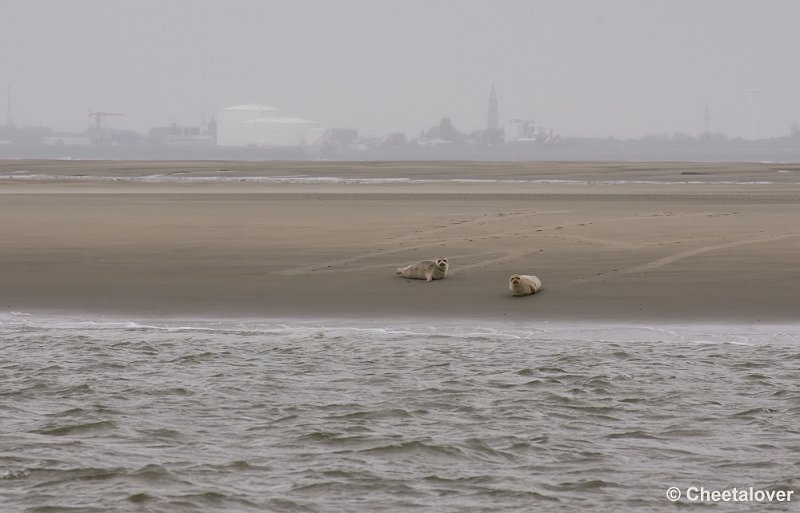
column 179, row 135
column 69, row 139
column 492, row 122
column 395, row 139
column 338, row 139
column 523, row 131
column 519, row 130
column 262, row 125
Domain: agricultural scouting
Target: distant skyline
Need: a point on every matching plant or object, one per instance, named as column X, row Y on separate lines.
column 621, row 68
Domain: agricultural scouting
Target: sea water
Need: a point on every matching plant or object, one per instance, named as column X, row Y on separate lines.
column 108, row 415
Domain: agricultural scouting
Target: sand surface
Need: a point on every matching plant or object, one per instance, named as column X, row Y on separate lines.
column 628, row 242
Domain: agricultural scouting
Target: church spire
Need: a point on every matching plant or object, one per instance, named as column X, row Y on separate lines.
column 492, row 123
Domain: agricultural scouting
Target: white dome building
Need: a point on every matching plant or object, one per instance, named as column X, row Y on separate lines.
column 262, row 125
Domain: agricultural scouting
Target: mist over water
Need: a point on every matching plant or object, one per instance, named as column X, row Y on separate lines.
column 340, row 416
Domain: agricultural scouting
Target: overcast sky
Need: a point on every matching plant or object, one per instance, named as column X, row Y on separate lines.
column 622, row 68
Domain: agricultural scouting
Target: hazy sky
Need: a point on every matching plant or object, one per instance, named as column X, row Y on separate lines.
column 622, row 68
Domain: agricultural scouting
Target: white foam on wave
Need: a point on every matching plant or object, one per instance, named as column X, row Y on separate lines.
column 393, row 328
column 323, row 180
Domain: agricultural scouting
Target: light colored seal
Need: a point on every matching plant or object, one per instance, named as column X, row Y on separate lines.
column 426, row 270
column 524, row 285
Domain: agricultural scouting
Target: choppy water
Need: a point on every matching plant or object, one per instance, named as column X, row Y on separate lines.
column 340, row 417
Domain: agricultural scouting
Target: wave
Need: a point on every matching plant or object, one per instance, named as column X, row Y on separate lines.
column 77, row 429
column 472, row 331
column 324, row 180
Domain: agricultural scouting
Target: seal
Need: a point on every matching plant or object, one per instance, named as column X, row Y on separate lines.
column 426, row 270
column 524, row 285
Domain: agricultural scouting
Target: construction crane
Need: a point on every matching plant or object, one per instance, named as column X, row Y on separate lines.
column 100, row 134
column 98, row 118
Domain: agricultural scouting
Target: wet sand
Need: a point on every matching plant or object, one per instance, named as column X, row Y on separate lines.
column 611, row 242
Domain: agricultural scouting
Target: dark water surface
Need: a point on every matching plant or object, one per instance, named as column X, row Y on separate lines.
column 382, row 416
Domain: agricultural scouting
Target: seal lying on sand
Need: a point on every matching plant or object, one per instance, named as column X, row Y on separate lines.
column 426, row 270
column 524, row 285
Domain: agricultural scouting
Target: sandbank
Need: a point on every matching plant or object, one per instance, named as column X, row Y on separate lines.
column 632, row 242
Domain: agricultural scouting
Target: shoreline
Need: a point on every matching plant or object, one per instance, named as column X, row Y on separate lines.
column 437, row 326
column 622, row 252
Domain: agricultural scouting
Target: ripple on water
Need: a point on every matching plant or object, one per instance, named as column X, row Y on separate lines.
column 78, row 428
column 116, row 417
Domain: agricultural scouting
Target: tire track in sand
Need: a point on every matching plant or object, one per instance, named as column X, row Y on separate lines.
column 655, row 264
column 338, row 264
